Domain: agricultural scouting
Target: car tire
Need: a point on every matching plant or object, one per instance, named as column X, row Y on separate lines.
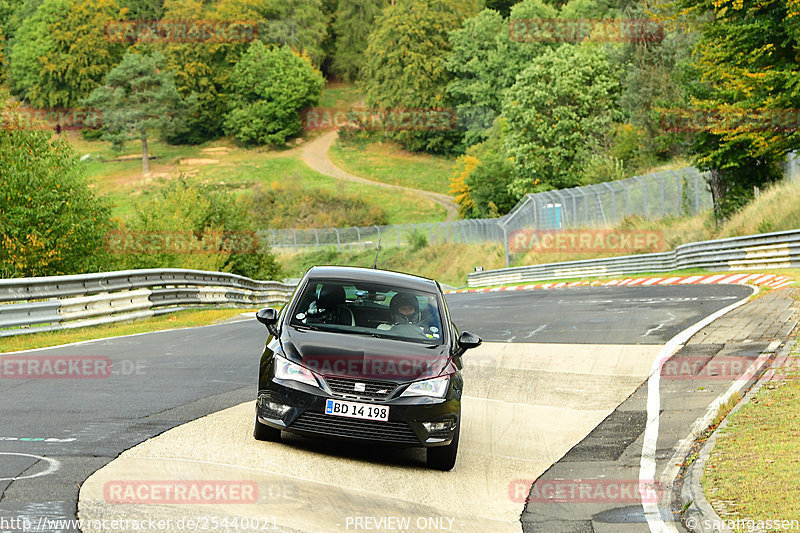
column 444, row 457
column 266, row 433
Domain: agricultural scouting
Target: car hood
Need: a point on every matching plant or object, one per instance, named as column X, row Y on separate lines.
column 363, row 356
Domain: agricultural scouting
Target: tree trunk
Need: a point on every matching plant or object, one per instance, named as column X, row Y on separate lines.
column 718, row 190
column 145, row 157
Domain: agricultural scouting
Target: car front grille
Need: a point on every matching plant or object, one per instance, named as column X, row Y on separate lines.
column 373, row 389
column 354, row 428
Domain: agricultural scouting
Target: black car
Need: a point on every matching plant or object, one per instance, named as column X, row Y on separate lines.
column 367, row 355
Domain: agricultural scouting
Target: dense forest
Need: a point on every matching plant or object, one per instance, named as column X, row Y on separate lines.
column 536, row 94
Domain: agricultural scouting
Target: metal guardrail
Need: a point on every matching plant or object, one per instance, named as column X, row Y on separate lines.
column 32, row 305
column 767, row 250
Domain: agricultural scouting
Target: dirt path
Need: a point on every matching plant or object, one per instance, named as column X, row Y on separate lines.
column 315, row 155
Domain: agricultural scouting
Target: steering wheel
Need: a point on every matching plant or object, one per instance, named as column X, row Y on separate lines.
column 408, row 330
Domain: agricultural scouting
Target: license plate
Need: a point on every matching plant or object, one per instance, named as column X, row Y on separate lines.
column 356, row 410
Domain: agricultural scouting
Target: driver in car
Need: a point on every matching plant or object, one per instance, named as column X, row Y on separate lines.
column 404, row 308
column 405, row 312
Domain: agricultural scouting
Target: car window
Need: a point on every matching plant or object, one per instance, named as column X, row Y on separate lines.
column 369, row 309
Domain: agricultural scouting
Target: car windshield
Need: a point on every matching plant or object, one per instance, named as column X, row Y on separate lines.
column 369, row 309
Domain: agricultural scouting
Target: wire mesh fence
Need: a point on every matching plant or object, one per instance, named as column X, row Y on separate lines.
column 652, row 196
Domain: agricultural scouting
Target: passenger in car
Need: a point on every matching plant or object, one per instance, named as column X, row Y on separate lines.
column 331, row 307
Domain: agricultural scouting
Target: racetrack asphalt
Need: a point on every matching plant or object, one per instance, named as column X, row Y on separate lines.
column 162, row 380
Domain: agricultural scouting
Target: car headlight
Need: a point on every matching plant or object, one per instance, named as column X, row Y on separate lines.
column 287, row 370
column 433, row 388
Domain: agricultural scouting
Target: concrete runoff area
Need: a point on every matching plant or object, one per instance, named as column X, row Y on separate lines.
column 512, row 429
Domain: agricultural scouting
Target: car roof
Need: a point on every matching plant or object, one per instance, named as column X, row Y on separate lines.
column 372, row 275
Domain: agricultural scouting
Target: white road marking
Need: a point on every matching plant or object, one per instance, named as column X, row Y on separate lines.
column 52, row 466
column 647, row 466
column 661, row 325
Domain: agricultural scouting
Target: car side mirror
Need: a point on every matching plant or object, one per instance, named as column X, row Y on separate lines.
column 268, row 317
column 467, row 340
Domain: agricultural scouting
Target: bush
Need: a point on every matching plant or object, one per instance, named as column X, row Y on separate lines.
column 291, row 206
column 602, row 167
column 189, row 226
column 2, row 58
column 559, row 112
column 50, row 220
column 418, row 240
column 271, row 87
column 482, row 178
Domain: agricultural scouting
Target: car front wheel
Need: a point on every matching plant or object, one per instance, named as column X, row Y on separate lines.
column 444, row 457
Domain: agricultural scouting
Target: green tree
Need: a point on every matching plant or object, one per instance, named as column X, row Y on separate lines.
column 2, row 58
column 271, row 88
column 300, row 24
column 202, row 73
column 746, row 67
column 8, row 17
column 61, row 53
column 353, row 22
column 328, row 44
column 406, row 65
column 50, row 220
column 137, row 96
column 12, row 14
column 501, row 6
column 8, row 8
column 559, row 112
column 485, row 62
column 33, row 41
column 144, row 9
column 653, row 74
column 482, row 177
column 586, row 9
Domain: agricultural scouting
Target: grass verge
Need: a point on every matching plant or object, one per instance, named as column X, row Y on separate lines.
column 754, row 469
column 237, row 170
column 181, row 319
column 388, row 163
column 342, row 96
